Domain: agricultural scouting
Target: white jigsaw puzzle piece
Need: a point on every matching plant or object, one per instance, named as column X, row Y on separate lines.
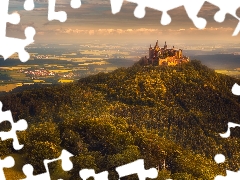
column 61, row 15
column 219, row 158
column 75, row 4
column 227, row 7
column 192, row 8
column 9, row 45
column 137, row 167
column 28, row 171
column 230, row 125
column 87, row 173
column 67, row 165
column 236, row 89
column 159, row 5
column 230, row 175
column 7, row 162
column 29, row 5
column 21, row 125
column 237, row 29
column 53, row 15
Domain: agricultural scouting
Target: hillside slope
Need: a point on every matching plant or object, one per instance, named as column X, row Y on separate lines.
column 170, row 116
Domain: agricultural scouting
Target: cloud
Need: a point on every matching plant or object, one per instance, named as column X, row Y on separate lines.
column 91, row 32
column 211, row 29
column 137, row 31
column 94, row 19
column 41, row 33
column 107, row 31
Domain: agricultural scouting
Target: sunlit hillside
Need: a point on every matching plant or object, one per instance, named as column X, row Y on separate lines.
column 169, row 116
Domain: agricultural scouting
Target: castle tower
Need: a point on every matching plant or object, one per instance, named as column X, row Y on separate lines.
column 180, row 53
column 165, row 46
column 151, row 52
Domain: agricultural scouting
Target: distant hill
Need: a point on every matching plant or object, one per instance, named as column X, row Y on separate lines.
column 220, row 61
column 16, row 62
column 170, row 116
column 118, row 62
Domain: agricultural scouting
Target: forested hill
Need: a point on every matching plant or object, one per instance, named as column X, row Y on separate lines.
column 170, row 116
column 179, row 92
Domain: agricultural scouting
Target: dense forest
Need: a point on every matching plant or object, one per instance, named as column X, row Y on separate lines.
column 169, row 116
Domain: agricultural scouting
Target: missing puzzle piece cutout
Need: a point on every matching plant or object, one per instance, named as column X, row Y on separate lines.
column 230, row 175
column 87, row 173
column 9, row 45
column 236, row 89
column 219, row 158
column 61, row 15
column 227, row 7
column 7, row 162
column 230, row 125
column 29, row 5
column 67, row 165
column 192, row 8
column 137, row 167
column 21, row 125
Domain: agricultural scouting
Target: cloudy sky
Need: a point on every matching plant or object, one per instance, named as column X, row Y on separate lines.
column 94, row 21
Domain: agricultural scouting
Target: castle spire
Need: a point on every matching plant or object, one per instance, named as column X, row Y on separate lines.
column 165, row 46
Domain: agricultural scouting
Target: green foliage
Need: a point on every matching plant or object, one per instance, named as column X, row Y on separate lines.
column 163, row 175
column 41, row 141
column 169, row 116
column 45, row 132
column 82, row 161
column 182, row 176
column 39, row 151
column 5, row 148
column 130, row 154
column 73, row 142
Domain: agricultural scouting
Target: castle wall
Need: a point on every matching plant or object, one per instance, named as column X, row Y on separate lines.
column 151, row 53
column 164, row 56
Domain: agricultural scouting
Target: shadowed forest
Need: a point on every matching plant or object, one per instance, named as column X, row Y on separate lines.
column 169, row 116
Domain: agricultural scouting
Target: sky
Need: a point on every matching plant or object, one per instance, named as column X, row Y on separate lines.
column 94, row 21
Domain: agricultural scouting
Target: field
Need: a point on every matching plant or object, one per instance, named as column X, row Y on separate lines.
column 233, row 73
column 15, row 75
column 7, row 87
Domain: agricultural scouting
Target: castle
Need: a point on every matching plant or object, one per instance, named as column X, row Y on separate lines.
column 164, row 56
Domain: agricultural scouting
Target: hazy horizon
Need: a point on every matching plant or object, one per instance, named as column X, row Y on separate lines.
column 93, row 21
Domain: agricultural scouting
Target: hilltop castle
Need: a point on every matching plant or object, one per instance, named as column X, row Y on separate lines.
column 164, row 56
